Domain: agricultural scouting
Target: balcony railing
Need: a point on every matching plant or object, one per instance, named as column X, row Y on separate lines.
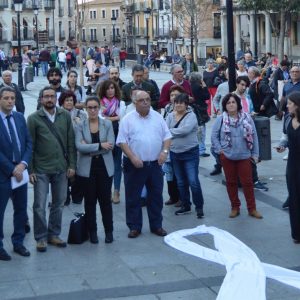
column 217, row 32
column 49, row 4
column 28, row 5
column 62, row 35
column 61, row 11
column 71, row 11
column 3, row 4
column 164, row 32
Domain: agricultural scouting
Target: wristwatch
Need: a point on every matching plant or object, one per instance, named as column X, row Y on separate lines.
column 166, row 151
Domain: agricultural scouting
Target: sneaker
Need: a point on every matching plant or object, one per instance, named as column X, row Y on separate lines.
column 56, row 241
column 259, row 186
column 183, row 211
column 200, row 213
column 41, row 246
column 216, row 171
column 116, row 197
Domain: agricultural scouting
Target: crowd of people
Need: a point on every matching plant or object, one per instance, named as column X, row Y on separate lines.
column 78, row 146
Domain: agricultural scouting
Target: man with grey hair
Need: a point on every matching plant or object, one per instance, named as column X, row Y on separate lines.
column 177, row 79
column 144, row 153
column 261, row 94
column 7, row 82
column 138, row 82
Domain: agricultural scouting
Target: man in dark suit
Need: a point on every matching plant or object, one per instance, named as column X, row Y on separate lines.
column 15, row 154
column 7, row 81
column 137, row 82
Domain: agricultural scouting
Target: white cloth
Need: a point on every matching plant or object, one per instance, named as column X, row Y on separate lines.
column 62, row 57
column 50, row 117
column 246, row 275
column 144, row 135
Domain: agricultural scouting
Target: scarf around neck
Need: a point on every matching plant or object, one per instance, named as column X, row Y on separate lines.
column 110, row 107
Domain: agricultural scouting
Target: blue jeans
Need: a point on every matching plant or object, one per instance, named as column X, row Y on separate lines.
column 122, row 63
column 62, row 65
column 117, row 155
column 186, row 169
column 59, row 183
column 44, row 66
column 151, row 176
column 19, row 200
column 202, row 135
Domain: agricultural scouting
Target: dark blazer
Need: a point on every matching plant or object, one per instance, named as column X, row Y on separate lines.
column 6, row 151
column 148, row 87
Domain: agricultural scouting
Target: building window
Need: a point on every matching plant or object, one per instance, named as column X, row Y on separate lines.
column 93, row 14
column 25, row 30
column 113, row 13
column 118, row 31
column 217, row 26
column 296, row 29
column 83, row 35
column 93, row 32
column 103, row 14
column 117, row 13
column 103, row 31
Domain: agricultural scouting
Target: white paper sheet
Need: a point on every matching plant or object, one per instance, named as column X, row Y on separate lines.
column 15, row 184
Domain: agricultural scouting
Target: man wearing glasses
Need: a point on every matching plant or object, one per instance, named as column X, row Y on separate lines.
column 177, row 79
column 53, row 162
column 145, row 140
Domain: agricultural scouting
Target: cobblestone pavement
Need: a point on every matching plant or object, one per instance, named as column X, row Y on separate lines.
column 145, row 268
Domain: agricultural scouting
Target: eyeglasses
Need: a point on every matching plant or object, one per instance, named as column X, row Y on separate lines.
column 92, row 107
column 49, row 96
column 294, row 71
column 144, row 100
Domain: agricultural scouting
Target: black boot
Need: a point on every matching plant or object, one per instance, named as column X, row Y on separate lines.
column 217, row 170
column 109, row 237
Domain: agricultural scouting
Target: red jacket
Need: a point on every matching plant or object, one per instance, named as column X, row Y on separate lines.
column 123, row 54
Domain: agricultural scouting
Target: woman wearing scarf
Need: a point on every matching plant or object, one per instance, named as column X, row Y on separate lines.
column 234, row 138
column 113, row 109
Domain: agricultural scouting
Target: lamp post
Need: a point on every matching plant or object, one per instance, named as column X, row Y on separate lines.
column 114, row 21
column 36, row 12
column 18, row 5
column 147, row 14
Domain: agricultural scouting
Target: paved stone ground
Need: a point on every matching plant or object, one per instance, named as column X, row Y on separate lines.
column 145, row 268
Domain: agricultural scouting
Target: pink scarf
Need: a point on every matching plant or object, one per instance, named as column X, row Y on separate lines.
column 111, row 107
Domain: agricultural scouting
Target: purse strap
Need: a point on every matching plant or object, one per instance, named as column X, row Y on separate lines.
column 177, row 124
column 53, row 130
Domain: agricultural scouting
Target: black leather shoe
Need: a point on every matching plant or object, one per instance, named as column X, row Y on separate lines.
column 159, row 232
column 94, row 238
column 200, row 213
column 133, row 234
column 4, row 255
column 27, row 227
column 216, row 171
column 21, row 250
column 109, row 237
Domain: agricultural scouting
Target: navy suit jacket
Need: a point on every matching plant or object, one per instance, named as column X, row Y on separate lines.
column 6, row 151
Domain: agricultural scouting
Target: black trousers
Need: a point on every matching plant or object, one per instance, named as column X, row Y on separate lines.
column 97, row 188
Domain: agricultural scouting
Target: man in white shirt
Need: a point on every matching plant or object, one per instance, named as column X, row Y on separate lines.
column 145, row 140
column 61, row 58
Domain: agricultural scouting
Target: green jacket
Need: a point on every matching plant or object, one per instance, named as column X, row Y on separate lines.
column 147, row 87
column 47, row 154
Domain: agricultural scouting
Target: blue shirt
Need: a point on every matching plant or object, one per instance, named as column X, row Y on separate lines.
column 290, row 87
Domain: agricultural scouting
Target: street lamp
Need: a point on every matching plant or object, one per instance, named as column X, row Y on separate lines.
column 18, row 5
column 147, row 14
column 36, row 12
column 114, row 21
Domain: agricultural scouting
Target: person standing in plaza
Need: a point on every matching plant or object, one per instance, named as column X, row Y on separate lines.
column 177, row 79
column 115, row 56
column 189, row 66
column 184, row 154
column 123, row 56
column 79, row 92
column 94, row 141
column 62, row 59
column 137, row 82
column 292, row 129
column 113, row 109
column 145, row 140
column 44, row 59
column 234, row 138
column 7, row 82
column 15, row 155
column 53, row 162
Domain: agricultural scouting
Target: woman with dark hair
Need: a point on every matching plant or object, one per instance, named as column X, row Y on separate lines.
column 184, row 153
column 113, row 109
column 67, row 100
column 234, row 138
column 291, row 129
column 75, row 88
column 94, row 139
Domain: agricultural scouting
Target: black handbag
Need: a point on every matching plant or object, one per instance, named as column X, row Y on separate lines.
column 78, row 232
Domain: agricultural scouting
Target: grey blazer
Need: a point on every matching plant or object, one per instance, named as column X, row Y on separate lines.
column 86, row 151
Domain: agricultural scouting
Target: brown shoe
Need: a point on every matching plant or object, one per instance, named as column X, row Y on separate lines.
column 159, row 232
column 255, row 214
column 178, row 204
column 170, row 202
column 116, row 197
column 56, row 241
column 41, row 246
column 234, row 213
column 134, row 234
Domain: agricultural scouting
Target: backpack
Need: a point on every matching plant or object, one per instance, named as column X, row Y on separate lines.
column 69, row 56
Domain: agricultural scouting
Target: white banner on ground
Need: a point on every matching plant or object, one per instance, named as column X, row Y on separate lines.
column 246, row 275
